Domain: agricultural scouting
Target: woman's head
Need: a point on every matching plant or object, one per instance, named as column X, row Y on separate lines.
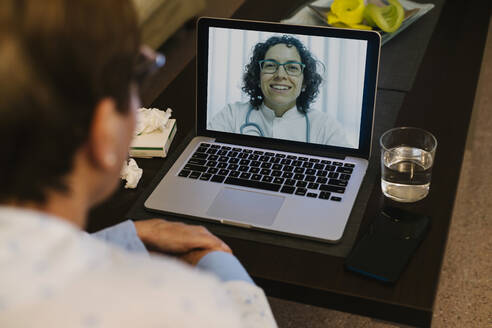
column 59, row 59
column 272, row 74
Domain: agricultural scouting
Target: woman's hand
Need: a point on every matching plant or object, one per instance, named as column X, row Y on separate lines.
column 188, row 242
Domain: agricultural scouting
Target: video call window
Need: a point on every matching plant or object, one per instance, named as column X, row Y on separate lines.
column 286, row 86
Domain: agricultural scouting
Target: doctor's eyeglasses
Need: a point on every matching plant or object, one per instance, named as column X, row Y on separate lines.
column 271, row 66
column 147, row 63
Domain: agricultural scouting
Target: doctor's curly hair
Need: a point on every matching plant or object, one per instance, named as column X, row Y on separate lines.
column 251, row 76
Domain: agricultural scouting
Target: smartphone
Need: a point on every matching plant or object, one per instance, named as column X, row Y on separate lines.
column 385, row 249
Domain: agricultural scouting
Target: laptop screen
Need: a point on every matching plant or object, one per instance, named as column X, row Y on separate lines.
column 279, row 85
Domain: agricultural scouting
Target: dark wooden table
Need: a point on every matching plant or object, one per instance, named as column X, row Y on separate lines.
column 440, row 100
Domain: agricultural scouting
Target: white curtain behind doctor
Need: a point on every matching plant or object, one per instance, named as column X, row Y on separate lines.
column 340, row 94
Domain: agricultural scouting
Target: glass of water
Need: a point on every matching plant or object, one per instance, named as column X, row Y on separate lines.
column 407, row 156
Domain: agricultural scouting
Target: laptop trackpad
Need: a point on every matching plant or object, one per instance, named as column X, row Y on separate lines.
column 245, row 206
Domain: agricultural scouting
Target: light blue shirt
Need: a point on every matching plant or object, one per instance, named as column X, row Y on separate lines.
column 52, row 274
column 224, row 265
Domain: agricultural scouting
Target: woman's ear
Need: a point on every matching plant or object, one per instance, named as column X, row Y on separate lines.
column 103, row 135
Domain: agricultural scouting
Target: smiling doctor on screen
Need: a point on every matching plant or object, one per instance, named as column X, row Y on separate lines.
column 281, row 82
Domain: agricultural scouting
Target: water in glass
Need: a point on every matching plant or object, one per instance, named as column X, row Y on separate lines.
column 406, row 173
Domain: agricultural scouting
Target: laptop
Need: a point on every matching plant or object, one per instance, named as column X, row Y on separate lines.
column 284, row 121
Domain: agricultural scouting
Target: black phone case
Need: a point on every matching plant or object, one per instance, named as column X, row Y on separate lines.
column 383, row 252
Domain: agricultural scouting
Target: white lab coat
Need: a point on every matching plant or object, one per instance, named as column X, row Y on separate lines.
column 291, row 126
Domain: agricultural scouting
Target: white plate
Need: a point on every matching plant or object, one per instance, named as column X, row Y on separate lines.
column 315, row 14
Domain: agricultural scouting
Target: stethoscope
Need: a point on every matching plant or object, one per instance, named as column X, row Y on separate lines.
column 247, row 123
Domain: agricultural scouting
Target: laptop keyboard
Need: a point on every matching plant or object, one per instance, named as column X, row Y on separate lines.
column 290, row 174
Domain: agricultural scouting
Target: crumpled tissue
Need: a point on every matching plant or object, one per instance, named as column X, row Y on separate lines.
column 131, row 173
column 151, row 119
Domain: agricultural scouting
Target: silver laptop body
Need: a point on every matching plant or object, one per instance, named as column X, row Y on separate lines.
column 194, row 186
